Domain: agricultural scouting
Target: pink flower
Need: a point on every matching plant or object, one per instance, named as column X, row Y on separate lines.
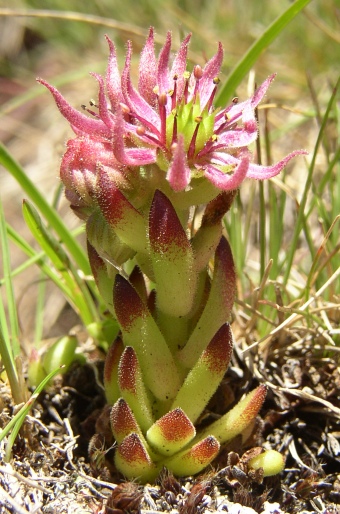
column 169, row 121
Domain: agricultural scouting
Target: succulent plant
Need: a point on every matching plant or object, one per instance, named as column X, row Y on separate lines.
column 142, row 165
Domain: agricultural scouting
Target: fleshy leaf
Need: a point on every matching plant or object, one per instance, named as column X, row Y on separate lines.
column 205, row 377
column 271, row 461
column 141, row 332
column 112, row 391
column 218, row 307
column 133, row 460
column 209, row 234
column 238, row 418
column 195, row 459
column 171, row 432
column 172, row 259
column 137, row 280
column 132, row 388
column 102, row 279
column 120, row 214
column 122, row 421
column 106, row 242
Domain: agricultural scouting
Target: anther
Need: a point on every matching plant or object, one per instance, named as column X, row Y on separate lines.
column 140, row 130
column 125, row 108
column 198, row 72
column 162, row 99
column 89, row 111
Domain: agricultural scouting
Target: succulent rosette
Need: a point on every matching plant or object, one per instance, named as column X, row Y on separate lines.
column 142, row 158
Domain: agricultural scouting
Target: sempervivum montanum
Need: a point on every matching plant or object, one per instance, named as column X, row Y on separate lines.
column 142, row 160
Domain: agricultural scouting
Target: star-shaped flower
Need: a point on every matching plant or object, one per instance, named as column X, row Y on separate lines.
column 168, row 121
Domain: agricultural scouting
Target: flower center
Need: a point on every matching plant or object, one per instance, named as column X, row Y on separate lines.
column 187, row 117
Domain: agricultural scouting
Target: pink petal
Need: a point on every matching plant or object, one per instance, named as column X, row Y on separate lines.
column 210, row 71
column 223, row 158
column 261, row 91
column 236, row 139
column 242, row 136
column 136, row 103
column 104, row 112
column 148, row 70
column 263, row 172
column 235, row 111
column 163, row 66
column 129, row 156
column 78, row 120
column 179, row 66
column 227, row 182
column 179, row 173
column 113, row 82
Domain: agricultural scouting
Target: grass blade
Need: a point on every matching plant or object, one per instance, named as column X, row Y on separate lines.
column 249, row 59
column 301, row 218
column 46, row 210
column 12, row 313
column 17, row 420
column 80, row 296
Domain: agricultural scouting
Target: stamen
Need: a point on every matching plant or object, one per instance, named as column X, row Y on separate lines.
column 94, row 114
column 192, row 146
column 141, row 132
column 186, row 76
column 154, row 141
column 198, row 72
column 222, row 127
column 162, row 99
column 235, row 100
column 209, row 104
column 208, row 146
column 174, row 131
column 174, row 94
